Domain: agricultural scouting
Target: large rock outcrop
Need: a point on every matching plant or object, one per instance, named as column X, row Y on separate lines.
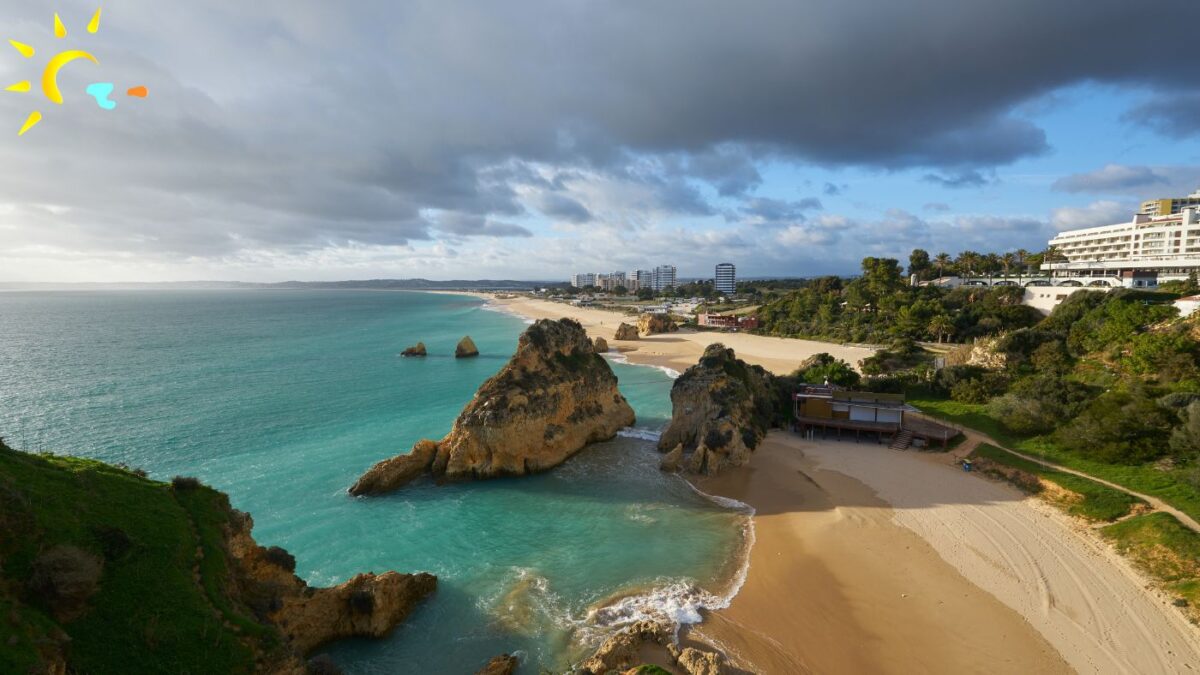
column 652, row 324
column 466, row 348
column 555, row 396
column 623, row 651
column 626, row 332
column 600, row 345
column 721, row 409
column 368, row 605
column 505, row 664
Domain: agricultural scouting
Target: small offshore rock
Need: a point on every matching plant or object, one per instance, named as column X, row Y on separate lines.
column 466, row 348
column 600, row 345
column 626, row 332
column 505, row 664
column 415, row 350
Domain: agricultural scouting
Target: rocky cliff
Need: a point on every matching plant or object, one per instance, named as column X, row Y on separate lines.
column 721, row 408
column 368, row 605
column 553, row 397
column 105, row 571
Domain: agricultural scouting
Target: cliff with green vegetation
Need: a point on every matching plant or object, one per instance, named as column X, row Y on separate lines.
column 105, row 571
column 554, row 397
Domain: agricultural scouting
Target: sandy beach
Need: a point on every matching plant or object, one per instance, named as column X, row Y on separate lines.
column 869, row 560
column 682, row 349
column 900, row 562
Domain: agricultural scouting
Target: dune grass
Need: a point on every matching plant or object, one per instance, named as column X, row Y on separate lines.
column 1164, row 549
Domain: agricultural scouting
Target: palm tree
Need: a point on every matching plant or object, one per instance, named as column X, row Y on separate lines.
column 941, row 326
column 941, row 261
column 966, row 262
column 1022, row 254
column 1007, row 261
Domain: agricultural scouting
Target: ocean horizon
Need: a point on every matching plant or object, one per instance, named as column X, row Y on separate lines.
column 282, row 398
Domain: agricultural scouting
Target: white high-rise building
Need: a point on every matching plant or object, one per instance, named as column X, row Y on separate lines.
column 664, row 277
column 1145, row 251
column 583, row 280
column 725, row 279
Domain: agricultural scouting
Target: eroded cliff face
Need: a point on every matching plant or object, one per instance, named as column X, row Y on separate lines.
column 652, row 324
column 368, row 605
column 721, row 409
column 555, row 396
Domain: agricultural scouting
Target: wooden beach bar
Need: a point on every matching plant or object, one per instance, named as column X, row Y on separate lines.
column 827, row 410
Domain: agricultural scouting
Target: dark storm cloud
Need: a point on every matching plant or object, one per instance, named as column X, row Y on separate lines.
column 470, row 225
column 298, row 123
column 1173, row 115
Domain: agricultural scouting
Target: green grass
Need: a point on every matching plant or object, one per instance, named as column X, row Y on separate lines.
column 149, row 615
column 1099, row 503
column 1164, row 549
column 1168, row 486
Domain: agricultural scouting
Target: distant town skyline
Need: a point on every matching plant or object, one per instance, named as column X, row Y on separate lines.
column 517, row 141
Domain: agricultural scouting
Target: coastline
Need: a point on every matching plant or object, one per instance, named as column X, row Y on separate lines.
column 675, row 351
column 895, row 562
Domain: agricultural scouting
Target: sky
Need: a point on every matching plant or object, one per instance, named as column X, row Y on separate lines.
column 297, row 139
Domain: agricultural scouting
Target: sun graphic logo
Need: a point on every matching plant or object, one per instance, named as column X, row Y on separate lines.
column 100, row 91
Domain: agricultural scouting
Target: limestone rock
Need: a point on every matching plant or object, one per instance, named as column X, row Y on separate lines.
column 600, row 345
column 397, row 471
column 626, row 332
column 721, row 409
column 466, row 347
column 555, row 396
column 620, row 651
column 505, row 664
column 367, row 605
column 415, row 350
column 700, row 662
column 672, row 460
column 651, row 324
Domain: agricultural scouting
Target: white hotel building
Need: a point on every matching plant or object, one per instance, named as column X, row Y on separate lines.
column 1141, row 253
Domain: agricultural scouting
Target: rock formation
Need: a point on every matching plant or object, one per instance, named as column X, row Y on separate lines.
column 505, row 664
column 651, row 324
column 415, row 350
column 622, row 652
column 672, row 460
column 368, row 605
column 466, row 347
column 64, row 577
column 721, row 409
column 600, row 345
column 553, row 397
column 626, row 332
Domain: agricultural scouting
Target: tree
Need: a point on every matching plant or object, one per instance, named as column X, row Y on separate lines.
column 941, row 326
column 1007, row 261
column 941, row 261
column 621, row 290
column 645, row 294
column 918, row 263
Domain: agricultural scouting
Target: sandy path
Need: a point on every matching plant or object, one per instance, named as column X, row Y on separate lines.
column 1071, row 587
column 681, row 350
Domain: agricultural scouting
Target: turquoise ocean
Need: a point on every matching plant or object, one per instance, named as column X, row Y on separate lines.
column 282, row 398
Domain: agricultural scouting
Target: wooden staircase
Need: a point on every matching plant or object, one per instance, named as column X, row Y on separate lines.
column 902, row 440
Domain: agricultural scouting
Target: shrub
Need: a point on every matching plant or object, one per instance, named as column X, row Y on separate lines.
column 185, row 483
column 979, row 390
column 824, row 367
column 1119, row 428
